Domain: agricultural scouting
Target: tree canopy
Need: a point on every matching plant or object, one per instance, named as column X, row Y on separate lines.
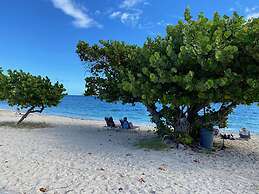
column 198, row 62
column 32, row 92
column 2, row 84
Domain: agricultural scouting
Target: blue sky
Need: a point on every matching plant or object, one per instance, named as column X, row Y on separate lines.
column 40, row 36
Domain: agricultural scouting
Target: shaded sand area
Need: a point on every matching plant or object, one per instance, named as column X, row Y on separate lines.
column 79, row 156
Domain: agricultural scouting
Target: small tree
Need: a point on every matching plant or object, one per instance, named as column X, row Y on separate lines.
column 197, row 63
column 34, row 93
column 2, row 85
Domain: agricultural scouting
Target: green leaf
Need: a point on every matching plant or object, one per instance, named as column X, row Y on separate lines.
column 209, row 83
column 227, row 34
column 153, row 77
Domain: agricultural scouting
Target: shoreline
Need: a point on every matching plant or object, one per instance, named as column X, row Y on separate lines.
column 142, row 125
column 79, row 118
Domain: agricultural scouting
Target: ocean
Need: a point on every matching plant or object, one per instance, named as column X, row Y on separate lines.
column 91, row 108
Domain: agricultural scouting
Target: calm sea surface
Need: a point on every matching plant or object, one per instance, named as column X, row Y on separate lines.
column 90, row 108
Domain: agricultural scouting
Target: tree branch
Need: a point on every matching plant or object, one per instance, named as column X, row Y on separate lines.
column 29, row 111
column 39, row 111
column 219, row 117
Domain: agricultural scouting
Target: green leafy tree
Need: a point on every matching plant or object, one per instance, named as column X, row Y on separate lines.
column 2, row 85
column 30, row 92
column 197, row 63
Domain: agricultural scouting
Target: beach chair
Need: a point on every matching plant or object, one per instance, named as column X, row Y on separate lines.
column 125, row 124
column 109, row 122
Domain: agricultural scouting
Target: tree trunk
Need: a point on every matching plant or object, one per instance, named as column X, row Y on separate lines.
column 162, row 129
column 195, row 120
column 154, row 114
column 182, row 125
column 30, row 110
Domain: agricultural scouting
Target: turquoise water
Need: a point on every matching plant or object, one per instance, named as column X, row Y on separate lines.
column 90, row 108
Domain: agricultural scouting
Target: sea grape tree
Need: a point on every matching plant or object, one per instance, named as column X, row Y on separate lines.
column 2, row 85
column 198, row 62
column 30, row 92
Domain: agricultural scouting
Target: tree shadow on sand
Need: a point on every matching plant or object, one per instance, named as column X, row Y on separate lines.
column 25, row 125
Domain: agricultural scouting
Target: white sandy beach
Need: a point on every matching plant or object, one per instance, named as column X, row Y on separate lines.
column 79, row 156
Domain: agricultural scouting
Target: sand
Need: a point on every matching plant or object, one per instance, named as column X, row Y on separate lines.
column 81, row 156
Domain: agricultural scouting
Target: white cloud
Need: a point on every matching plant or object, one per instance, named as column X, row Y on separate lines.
column 130, row 3
column 129, row 17
column 252, row 12
column 127, row 12
column 115, row 14
column 81, row 19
